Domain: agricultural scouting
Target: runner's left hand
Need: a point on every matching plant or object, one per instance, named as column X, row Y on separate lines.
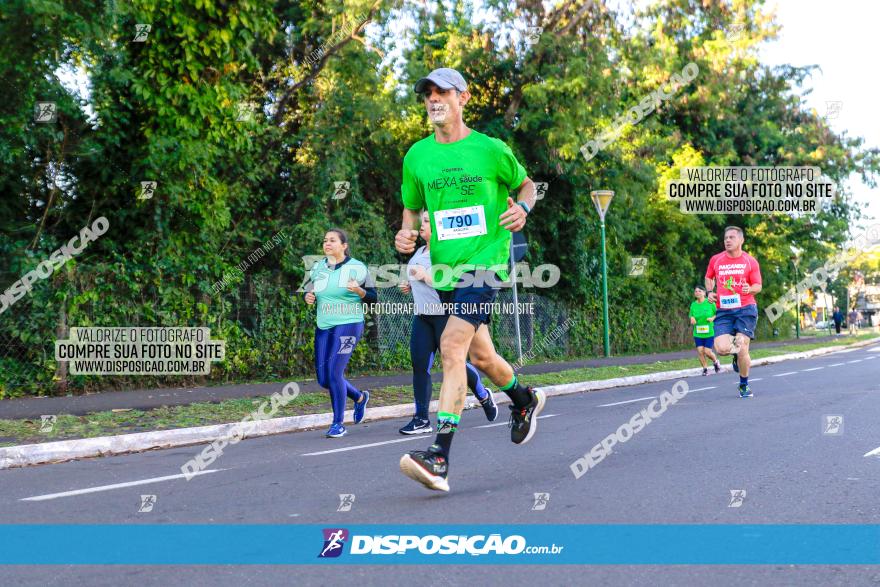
column 514, row 218
column 353, row 287
column 746, row 288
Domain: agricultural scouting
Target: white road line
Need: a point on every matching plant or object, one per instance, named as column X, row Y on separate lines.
column 784, row 374
column 836, row 365
column 505, row 423
column 855, row 361
column 756, row 379
column 114, row 486
column 873, row 453
column 326, row 452
column 814, row 369
column 629, row 401
column 869, row 358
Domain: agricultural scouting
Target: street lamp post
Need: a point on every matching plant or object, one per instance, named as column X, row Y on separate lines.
column 829, row 306
column 518, row 247
column 602, row 200
column 794, row 261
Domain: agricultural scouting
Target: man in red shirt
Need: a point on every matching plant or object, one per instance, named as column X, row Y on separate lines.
column 738, row 276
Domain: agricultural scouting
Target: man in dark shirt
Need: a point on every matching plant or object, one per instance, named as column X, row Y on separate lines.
column 837, row 317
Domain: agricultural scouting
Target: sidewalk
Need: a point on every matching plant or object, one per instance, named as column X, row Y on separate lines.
column 146, row 399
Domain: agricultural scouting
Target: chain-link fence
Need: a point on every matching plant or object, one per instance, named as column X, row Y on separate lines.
column 538, row 316
column 18, row 367
column 268, row 331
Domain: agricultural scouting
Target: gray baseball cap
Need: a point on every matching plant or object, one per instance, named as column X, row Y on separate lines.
column 444, row 78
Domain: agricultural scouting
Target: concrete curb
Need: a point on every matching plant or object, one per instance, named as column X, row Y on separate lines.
column 68, row 450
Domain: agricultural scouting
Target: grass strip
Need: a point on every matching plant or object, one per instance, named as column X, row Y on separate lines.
column 14, row 432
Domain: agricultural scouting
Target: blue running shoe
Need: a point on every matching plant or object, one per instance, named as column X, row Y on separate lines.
column 336, row 431
column 490, row 408
column 745, row 391
column 361, row 408
column 735, row 365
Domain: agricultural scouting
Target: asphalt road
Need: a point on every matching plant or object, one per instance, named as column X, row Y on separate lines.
column 679, row 469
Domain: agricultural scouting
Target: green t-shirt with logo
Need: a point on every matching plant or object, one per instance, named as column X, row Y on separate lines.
column 701, row 311
column 464, row 186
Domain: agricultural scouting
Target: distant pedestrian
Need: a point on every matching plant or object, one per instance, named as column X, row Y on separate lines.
column 837, row 317
column 852, row 319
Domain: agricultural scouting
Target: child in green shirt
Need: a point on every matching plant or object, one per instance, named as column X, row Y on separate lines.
column 702, row 316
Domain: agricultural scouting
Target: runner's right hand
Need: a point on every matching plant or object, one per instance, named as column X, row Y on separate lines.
column 405, row 287
column 419, row 273
column 405, row 241
column 310, row 298
column 693, row 321
column 712, row 296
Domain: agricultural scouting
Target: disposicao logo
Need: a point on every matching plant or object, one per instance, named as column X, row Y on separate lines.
column 472, row 545
column 334, row 540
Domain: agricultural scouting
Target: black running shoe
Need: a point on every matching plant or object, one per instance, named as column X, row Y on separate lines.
column 705, row 371
column 735, row 366
column 428, row 467
column 524, row 421
column 717, row 367
column 417, row 426
column 489, row 406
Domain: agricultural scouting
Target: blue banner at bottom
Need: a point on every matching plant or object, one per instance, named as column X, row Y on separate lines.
column 440, row 544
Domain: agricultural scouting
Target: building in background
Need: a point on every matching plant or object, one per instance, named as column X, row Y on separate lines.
column 823, row 304
column 866, row 299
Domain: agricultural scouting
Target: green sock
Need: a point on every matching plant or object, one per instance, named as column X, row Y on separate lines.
column 519, row 395
column 447, row 424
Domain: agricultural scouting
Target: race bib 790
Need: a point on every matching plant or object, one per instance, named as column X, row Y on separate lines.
column 460, row 222
column 703, row 329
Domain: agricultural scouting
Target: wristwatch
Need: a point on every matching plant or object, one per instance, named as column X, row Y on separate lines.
column 524, row 207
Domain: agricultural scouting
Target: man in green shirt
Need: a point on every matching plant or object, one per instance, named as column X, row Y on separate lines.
column 464, row 179
column 702, row 317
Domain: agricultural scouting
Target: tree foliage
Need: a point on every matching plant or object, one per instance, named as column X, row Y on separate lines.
column 330, row 84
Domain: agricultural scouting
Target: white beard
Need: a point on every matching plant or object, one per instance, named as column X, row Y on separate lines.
column 439, row 114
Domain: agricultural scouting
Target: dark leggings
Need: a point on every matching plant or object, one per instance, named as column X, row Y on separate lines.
column 333, row 348
column 423, row 343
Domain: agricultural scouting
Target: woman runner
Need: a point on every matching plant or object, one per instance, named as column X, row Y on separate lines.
column 427, row 327
column 339, row 285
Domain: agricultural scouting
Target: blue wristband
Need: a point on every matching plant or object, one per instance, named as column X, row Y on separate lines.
column 524, row 207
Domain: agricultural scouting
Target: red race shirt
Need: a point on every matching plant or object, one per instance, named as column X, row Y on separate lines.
column 730, row 275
